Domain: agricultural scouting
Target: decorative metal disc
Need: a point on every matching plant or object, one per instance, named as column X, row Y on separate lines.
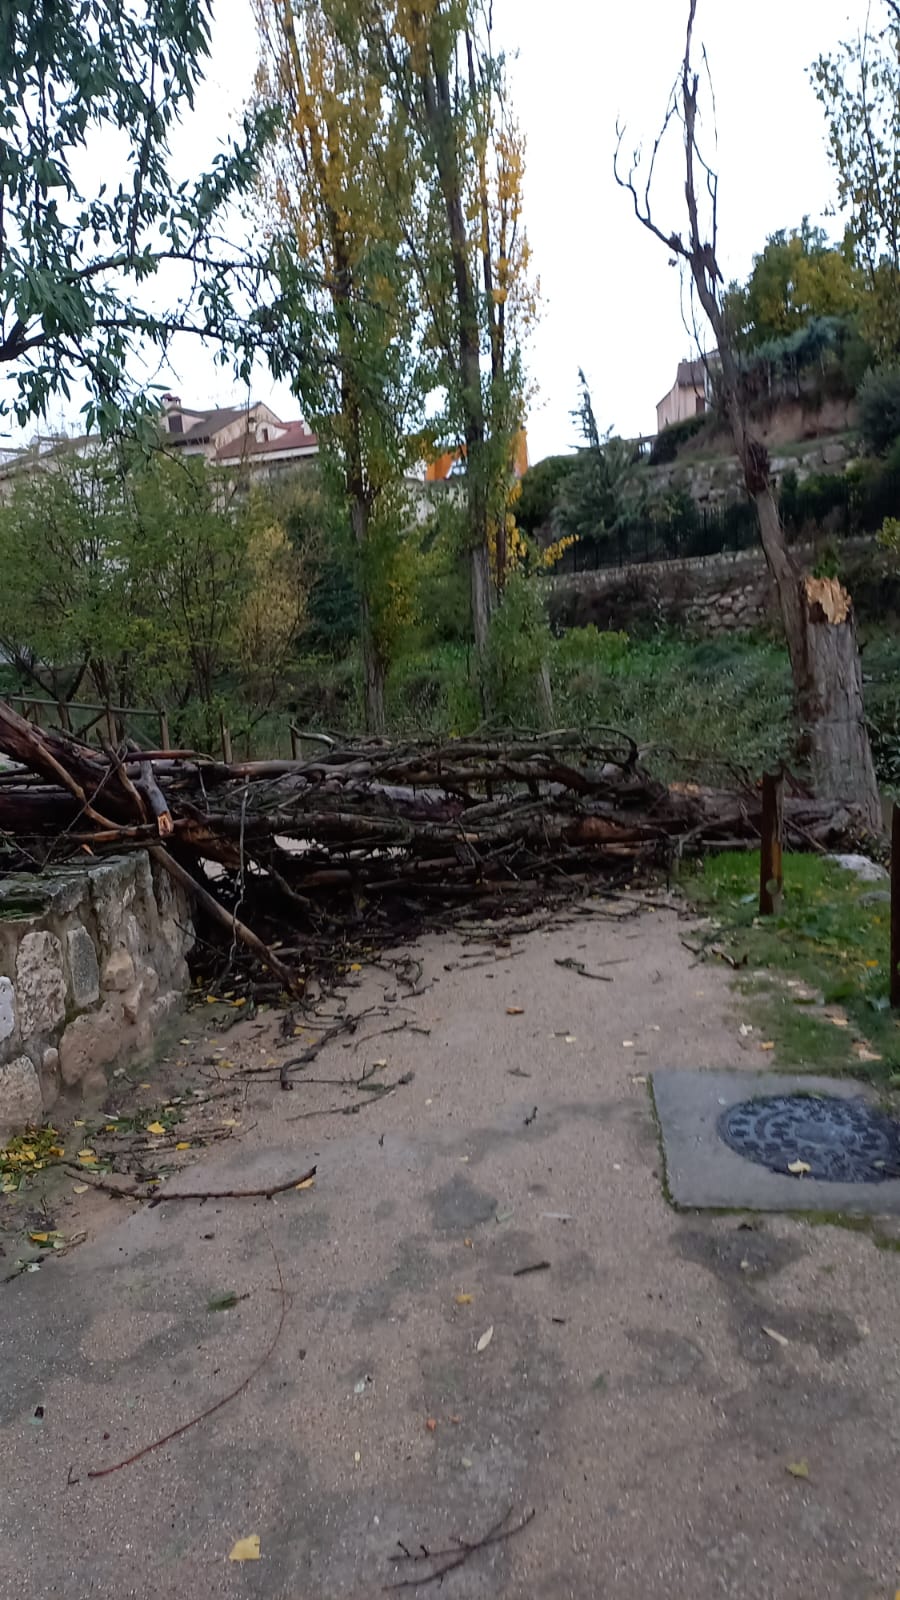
column 841, row 1141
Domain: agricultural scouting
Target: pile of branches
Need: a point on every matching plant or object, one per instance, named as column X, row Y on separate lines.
column 354, row 830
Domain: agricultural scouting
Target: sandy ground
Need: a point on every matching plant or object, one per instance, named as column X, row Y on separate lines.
column 629, row 1394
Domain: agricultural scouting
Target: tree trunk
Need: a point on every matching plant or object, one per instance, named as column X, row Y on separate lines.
column 373, row 671
column 839, row 752
column 372, row 659
column 480, row 576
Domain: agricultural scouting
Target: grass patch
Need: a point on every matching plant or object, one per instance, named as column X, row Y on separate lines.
column 832, row 937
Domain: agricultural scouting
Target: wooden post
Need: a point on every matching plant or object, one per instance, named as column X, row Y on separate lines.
column 895, row 908
column 164, row 731
column 296, row 747
column 226, row 741
column 112, row 731
column 771, row 838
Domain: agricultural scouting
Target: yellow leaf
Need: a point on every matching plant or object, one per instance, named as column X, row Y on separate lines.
column 355, row 966
column 39, row 1238
column 183, row 1144
column 306, row 1184
column 87, row 1155
column 155, row 1127
column 875, row 964
column 799, row 1167
column 246, row 1549
column 515, row 1011
column 769, row 1045
column 80, row 1188
column 211, row 1001
column 464, row 1299
column 798, row 1469
column 56, row 1150
column 241, row 1002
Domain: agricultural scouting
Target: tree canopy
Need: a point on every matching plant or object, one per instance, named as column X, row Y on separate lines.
column 78, row 257
column 798, row 277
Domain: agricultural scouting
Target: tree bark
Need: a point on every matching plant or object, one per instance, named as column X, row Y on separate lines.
column 372, row 659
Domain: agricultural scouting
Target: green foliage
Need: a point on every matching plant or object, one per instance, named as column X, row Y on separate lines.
column 829, row 934
column 580, row 648
column 878, row 402
column 134, row 577
column 518, row 648
column 95, row 76
column 540, row 492
column 799, row 277
column 809, row 503
column 669, row 441
column 858, row 88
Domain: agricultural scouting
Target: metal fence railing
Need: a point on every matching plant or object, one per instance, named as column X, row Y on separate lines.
column 835, row 506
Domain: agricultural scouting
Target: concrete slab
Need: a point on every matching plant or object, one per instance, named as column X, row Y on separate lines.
column 702, row 1172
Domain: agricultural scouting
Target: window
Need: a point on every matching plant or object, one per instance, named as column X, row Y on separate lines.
column 176, row 422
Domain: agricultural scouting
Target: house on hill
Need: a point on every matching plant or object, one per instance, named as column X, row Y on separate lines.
column 689, row 395
column 250, row 436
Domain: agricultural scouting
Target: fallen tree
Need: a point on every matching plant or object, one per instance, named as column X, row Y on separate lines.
column 366, row 830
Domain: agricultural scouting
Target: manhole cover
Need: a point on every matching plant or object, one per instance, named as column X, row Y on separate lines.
column 841, row 1141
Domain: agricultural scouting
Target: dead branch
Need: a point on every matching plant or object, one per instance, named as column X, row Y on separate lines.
column 459, row 1553
column 203, row 1416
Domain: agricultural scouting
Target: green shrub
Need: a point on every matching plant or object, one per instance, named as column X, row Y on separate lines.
column 588, row 647
column 667, row 444
column 518, row 649
column 878, row 403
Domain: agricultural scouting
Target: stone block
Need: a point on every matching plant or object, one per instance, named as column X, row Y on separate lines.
column 161, row 1009
column 7, row 1010
column 118, row 971
column 21, row 1103
column 40, row 984
column 49, row 1076
column 84, row 972
column 93, row 1040
column 131, row 1003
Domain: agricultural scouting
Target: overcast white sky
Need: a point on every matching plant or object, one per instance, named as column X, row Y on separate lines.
column 611, row 303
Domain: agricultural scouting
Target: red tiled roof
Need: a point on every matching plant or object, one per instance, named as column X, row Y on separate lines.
column 293, row 436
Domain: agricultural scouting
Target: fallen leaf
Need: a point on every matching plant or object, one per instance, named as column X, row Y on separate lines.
column 464, row 1299
column 772, row 1333
column 863, row 1053
column 183, row 1144
column 799, row 1167
column 181, row 1041
column 515, row 1011
column 80, row 1188
column 241, row 1002
column 465, row 1462
column 769, row 1045
column 306, row 1184
column 468, row 1244
column 355, row 966
column 485, row 1339
column 627, row 1044
column 155, row 1127
column 357, row 1457
column 745, row 1028
column 246, row 1549
column 798, row 1469
column 431, row 1425
column 39, row 1238
column 569, row 1038
column 211, row 1001
column 88, row 1158
column 223, row 1302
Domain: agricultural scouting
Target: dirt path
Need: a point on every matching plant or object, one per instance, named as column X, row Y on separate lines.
column 628, row 1395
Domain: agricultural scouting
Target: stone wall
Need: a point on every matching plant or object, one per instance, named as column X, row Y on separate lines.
column 709, row 594
column 92, row 962
column 716, row 481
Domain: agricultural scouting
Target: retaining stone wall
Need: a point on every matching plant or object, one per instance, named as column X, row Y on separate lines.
column 92, row 963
